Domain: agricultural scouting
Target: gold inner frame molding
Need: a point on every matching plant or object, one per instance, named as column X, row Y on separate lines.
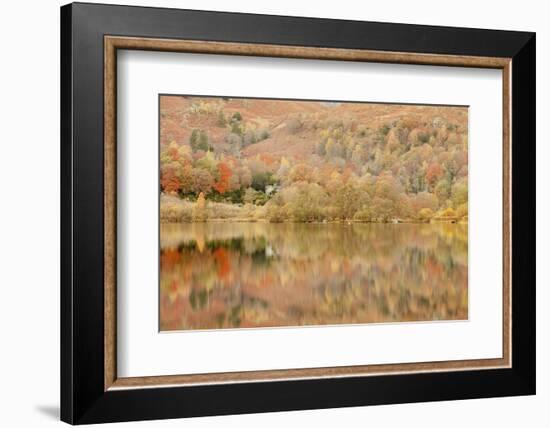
column 113, row 43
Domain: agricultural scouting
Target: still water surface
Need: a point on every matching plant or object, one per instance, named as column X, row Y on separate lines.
column 238, row 275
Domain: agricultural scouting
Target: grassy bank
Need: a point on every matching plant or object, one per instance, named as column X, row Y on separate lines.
column 176, row 210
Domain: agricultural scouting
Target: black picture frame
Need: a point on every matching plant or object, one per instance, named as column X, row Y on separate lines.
column 83, row 398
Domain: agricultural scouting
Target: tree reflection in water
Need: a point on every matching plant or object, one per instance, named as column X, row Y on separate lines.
column 238, row 275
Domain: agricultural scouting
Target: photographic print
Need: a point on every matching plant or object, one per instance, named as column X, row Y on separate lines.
column 283, row 213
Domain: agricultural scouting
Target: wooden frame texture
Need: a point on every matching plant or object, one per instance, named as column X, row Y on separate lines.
column 91, row 391
column 114, row 43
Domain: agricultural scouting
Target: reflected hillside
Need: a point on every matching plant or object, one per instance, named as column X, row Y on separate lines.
column 238, row 275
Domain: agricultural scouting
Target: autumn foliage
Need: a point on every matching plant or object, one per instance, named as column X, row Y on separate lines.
column 222, row 185
column 313, row 161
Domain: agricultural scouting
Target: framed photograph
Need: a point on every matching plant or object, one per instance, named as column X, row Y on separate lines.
column 265, row 213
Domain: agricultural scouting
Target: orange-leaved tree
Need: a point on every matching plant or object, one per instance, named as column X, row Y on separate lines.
column 225, row 173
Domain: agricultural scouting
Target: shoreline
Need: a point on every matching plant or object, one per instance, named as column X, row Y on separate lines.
column 343, row 222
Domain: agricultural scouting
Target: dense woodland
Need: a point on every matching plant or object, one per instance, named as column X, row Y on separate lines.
column 275, row 160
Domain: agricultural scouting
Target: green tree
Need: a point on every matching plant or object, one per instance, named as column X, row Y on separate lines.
column 194, row 138
column 202, row 143
column 199, row 140
column 221, row 121
column 260, row 180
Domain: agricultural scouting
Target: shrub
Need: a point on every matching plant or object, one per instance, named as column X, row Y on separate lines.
column 247, row 210
column 293, row 125
column 425, row 214
column 462, row 210
column 362, row 132
column 260, row 213
column 306, row 213
column 448, row 212
column 330, row 213
column 223, row 211
column 276, row 213
column 264, row 135
column 260, row 180
column 236, row 128
column 250, row 195
column 384, row 130
column 178, row 212
column 235, row 196
column 459, row 193
column 364, row 215
column 424, row 138
column 261, row 198
column 249, row 138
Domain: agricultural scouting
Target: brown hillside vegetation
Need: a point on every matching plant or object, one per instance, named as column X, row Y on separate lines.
column 284, row 160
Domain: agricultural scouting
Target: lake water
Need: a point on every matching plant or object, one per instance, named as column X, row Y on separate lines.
column 239, row 275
